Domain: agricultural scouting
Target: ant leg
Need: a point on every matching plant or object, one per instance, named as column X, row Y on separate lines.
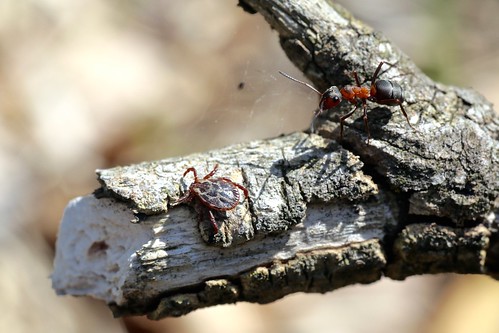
column 376, row 72
column 399, row 103
column 312, row 129
column 366, row 124
column 213, row 222
column 342, row 120
column 405, row 115
column 212, row 172
column 316, row 114
column 356, row 79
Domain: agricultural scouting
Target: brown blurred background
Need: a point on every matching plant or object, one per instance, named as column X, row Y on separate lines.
column 87, row 84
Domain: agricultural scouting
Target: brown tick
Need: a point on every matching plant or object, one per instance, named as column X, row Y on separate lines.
column 220, row 194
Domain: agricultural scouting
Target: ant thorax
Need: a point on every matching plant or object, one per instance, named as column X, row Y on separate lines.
column 353, row 93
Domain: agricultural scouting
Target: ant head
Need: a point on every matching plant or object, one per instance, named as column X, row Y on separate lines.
column 330, row 98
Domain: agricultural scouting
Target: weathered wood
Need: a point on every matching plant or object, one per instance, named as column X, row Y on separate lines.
column 283, row 176
column 448, row 165
column 320, row 215
column 308, row 195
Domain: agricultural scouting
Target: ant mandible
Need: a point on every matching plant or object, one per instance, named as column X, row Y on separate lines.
column 383, row 92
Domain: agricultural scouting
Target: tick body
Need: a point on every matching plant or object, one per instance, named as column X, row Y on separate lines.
column 221, row 194
column 382, row 92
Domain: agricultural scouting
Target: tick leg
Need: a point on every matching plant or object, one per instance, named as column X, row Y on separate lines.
column 342, row 120
column 241, row 187
column 213, row 222
column 185, row 198
column 212, row 172
column 193, row 171
column 244, row 189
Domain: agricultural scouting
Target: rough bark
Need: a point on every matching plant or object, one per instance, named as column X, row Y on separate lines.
column 320, row 214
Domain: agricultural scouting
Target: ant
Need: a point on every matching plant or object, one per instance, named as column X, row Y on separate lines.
column 383, row 92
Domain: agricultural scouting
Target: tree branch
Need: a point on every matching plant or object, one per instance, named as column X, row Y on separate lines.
column 319, row 215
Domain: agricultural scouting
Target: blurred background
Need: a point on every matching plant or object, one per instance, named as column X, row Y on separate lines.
column 87, row 84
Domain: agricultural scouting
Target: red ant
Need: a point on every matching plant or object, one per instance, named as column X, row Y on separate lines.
column 383, row 92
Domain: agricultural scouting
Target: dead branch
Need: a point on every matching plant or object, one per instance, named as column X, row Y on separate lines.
column 320, row 215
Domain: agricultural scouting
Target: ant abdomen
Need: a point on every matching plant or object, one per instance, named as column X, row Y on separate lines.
column 387, row 92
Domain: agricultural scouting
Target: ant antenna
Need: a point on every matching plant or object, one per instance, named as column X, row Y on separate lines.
column 301, row 82
column 318, row 111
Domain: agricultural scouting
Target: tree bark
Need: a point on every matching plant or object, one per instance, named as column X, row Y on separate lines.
column 321, row 213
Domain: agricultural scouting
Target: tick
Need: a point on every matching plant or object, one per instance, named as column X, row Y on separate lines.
column 383, row 92
column 220, row 193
